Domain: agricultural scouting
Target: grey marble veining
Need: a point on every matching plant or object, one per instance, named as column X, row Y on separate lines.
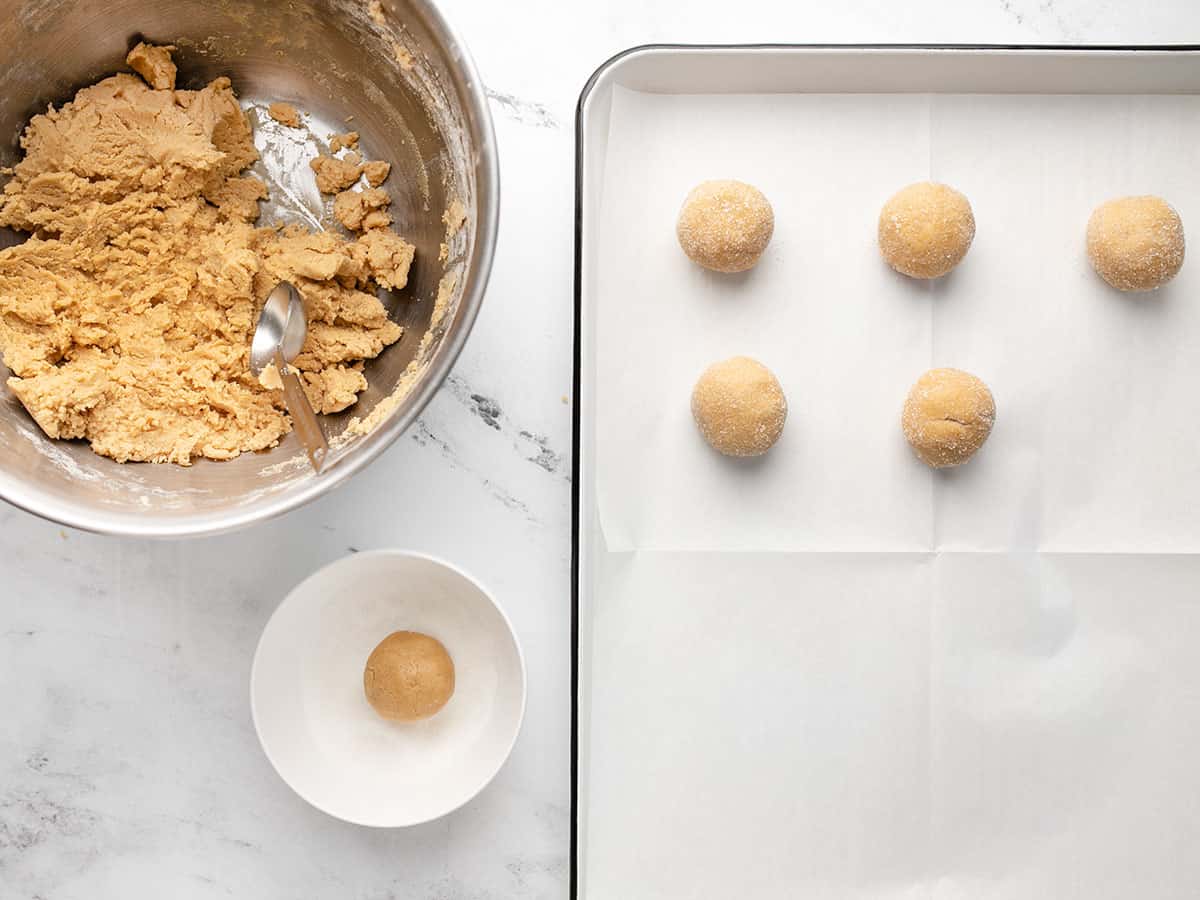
column 128, row 763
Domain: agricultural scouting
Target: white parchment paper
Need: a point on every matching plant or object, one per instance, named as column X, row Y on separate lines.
column 832, row 672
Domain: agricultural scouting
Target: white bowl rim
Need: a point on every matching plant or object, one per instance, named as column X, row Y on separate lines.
column 408, row 554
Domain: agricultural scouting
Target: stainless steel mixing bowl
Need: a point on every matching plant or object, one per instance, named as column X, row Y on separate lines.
column 404, row 76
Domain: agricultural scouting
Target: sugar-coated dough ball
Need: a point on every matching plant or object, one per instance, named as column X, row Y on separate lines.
column 925, row 230
column 739, row 407
column 725, row 225
column 409, row 676
column 1135, row 243
column 947, row 416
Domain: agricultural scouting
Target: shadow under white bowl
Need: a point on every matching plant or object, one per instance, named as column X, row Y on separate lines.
column 314, row 722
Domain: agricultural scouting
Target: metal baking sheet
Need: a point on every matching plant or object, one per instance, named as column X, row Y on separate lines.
column 832, row 672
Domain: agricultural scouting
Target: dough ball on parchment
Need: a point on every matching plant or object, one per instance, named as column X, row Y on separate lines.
column 739, row 407
column 725, row 225
column 409, row 676
column 1135, row 243
column 925, row 230
column 947, row 417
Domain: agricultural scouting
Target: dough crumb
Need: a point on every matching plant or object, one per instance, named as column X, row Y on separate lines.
column 403, row 57
column 154, row 64
column 284, row 114
column 444, row 253
column 375, row 11
column 362, row 210
column 376, row 172
column 270, row 378
column 387, row 257
column 340, row 141
column 334, row 175
column 454, row 217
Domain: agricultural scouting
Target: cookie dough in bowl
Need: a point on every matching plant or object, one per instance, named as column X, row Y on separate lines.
column 126, row 316
column 131, row 267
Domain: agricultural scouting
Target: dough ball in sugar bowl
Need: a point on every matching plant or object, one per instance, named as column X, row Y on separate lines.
column 947, row 417
column 739, row 407
column 409, row 676
column 1135, row 243
column 725, row 225
column 925, row 230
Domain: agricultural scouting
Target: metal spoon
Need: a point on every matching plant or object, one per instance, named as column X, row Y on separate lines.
column 278, row 339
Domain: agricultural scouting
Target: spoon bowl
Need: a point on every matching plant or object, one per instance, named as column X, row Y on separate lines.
column 278, row 339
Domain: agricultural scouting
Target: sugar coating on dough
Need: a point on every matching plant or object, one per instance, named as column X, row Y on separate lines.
column 333, row 174
column 739, row 407
column 285, row 114
column 126, row 315
column 1136, row 243
column 409, row 676
column 154, row 64
column 925, row 230
column 947, row 416
column 362, row 210
column 725, row 225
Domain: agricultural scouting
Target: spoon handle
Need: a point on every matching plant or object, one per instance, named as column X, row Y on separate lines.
column 304, row 420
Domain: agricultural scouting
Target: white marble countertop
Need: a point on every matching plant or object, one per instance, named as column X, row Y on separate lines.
column 128, row 763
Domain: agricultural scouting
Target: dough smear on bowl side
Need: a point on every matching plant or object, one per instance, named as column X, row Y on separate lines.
column 126, row 315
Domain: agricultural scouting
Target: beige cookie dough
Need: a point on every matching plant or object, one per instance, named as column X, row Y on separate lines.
column 126, row 315
column 386, row 256
column 347, row 141
column 284, row 114
column 154, row 64
column 362, row 210
column 409, row 676
column 925, row 230
column 335, row 175
column 725, row 226
column 376, row 172
column 1136, row 243
column 739, row 407
column 947, row 416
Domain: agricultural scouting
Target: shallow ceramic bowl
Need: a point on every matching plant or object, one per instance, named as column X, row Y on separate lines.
column 333, row 59
column 314, row 721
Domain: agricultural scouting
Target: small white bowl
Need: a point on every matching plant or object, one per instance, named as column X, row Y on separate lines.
column 314, row 722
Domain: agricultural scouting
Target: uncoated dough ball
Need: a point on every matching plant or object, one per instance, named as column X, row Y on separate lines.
column 1135, row 243
column 925, row 230
column 739, row 407
column 409, row 676
column 947, row 417
column 725, row 225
